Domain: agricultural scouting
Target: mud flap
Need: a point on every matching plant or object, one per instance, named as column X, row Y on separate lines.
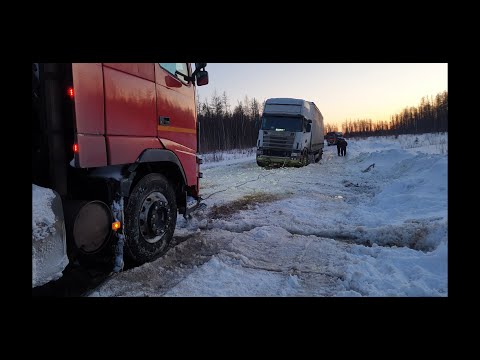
column 192, row 206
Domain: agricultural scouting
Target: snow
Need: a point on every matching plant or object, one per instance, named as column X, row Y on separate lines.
column 328, row 229
column 43, row 218
column 216, row 278
column 49, row 256
column 379, row 271
column 226, row 158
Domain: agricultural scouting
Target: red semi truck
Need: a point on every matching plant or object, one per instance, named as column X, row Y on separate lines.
column 117, row 145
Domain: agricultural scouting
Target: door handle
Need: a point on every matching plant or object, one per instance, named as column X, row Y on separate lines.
column 164, row 120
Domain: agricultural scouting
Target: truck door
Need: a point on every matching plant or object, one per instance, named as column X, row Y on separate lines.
column 176, row 120
column 130, row 110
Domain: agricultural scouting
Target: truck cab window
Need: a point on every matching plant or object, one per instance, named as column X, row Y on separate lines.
column 173, row 68
column 282, row 123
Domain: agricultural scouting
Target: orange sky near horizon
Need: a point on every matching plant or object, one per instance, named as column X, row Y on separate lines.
column 342, row 91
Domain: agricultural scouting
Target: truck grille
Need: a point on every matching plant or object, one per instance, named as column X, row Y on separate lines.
column 278, row 142
column 281, row 153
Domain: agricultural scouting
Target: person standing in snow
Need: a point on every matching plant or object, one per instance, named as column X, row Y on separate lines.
column 338, row 145
column 342, row 144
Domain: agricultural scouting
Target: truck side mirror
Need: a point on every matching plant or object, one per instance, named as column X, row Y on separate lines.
column 202, row 78
column 309, row 128
column 200, row 75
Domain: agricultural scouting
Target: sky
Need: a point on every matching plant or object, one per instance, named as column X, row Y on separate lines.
column 311, row 232
column 342, row 91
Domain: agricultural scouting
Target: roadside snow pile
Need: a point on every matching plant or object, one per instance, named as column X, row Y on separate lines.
column 49, row 254
column 436, row 143
column 385, row 159
column 419, row 189
column 381, row 271
column 410, row 203
column 43, row 218
column 229, row 157
column 408, row 213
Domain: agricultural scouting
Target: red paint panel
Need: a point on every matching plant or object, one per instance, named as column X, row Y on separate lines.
column 181, row 111
column 177, row 103
column 130, row 105
column 143, row 70
column 91, row 151
column 126, row 150
column 88, row 88
column 187, row 157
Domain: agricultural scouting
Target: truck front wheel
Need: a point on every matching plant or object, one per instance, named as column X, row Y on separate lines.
column 150, row 218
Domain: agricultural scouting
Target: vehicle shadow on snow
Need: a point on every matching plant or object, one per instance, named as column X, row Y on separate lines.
column 185, row 254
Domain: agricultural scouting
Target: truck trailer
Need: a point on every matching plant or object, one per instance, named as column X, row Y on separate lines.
column 291, row 133
column 114, row 159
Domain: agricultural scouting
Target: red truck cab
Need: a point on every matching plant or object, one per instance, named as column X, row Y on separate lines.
column 332, row 137
column 120, row 140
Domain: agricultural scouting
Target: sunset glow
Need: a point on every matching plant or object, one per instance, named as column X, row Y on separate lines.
column 342, row 92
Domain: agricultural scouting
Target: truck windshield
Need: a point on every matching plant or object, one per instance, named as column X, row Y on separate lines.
column 282, row 123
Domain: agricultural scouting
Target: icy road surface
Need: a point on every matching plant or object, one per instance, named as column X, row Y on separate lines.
column 328, row 229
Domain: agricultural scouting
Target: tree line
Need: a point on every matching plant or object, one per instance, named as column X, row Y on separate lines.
column 431, row 115
column 222, row 128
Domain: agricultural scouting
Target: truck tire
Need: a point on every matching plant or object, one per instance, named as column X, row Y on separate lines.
column 150, row 218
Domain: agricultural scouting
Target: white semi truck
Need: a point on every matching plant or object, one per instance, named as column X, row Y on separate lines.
column 291, row 133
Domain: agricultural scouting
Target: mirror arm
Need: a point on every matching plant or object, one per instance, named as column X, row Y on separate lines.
column 197, row 69
column 186, row 77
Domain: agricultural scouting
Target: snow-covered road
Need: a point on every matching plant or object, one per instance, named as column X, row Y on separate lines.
column 328, row 229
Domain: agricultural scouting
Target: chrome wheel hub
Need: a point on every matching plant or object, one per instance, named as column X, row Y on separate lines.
column 153, row 216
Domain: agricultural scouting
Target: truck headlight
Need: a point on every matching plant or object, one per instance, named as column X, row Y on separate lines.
column 259, row 152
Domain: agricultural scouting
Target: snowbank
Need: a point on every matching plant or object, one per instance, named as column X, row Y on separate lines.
column 225, row 158
column 43, row 218
column 380, row 271
column 49, row 248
